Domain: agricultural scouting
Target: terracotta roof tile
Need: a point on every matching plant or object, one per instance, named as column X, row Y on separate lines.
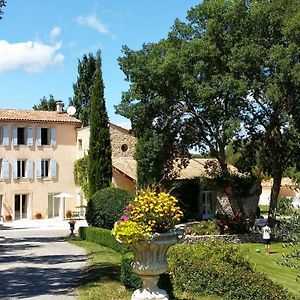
column 36, row 116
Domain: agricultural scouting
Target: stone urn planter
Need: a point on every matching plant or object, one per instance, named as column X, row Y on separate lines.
column 150, row 260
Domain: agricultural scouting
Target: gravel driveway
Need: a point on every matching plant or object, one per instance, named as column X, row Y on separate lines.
column 37, row 264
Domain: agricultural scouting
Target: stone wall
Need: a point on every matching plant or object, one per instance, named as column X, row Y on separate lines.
column 227, row 238
column 122, row 142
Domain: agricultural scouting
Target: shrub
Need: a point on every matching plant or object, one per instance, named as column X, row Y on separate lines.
column 204, row 228
column 103, row 237
column 106, row 206
column 284, row 206
column 221, row 270
column 128, row 278
column 234, row 223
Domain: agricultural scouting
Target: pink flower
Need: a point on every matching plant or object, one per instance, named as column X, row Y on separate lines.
column 125, row 218
column 128, row 207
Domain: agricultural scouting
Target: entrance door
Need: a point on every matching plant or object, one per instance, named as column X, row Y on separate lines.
column 53, row 206
column 207, row 204
column 21, row 205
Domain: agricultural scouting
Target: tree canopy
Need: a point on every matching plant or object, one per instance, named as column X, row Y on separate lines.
column 2, row 4
column 83, row 88
column 228, row 76
column 46, row 104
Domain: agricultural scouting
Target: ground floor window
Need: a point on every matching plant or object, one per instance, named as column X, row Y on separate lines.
column 21, row 206
column 207, row 204
column 54, row 205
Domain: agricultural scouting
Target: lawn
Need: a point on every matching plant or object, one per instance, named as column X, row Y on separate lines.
column 101, row 280
column 271, row 265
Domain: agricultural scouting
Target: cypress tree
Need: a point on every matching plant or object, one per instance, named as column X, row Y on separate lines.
column 83, row 88
column 100, row 164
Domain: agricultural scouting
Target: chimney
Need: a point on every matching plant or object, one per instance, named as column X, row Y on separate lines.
column 59, row 107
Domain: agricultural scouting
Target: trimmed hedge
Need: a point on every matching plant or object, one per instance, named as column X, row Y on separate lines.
column 106, row 207
column 222, row 270
column 103, row 237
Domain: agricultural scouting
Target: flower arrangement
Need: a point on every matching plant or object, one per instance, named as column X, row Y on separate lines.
column 148, row 213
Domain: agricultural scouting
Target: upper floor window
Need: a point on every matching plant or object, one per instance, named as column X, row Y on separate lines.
column 45, row 136
column 45, row 168
column 22, row 168
column 5, row 132
column 4, row 169
column 22, row 136
column 80, row 144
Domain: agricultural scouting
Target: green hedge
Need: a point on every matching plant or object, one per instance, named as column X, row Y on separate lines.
column 221, row 270
column 103, row 237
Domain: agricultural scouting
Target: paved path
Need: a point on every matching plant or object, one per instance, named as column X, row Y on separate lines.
column 35, row 262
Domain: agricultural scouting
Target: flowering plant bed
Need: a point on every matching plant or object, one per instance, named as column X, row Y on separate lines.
column 148, row 213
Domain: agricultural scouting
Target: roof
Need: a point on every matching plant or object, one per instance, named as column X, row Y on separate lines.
column 36, row 116
column 122, row 129
column 286, row 181
column 128, row 165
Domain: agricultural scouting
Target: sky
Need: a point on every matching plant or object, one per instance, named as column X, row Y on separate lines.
column 41, row 42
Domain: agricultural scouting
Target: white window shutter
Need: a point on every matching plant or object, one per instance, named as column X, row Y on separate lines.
column 29, row 169
column 15, row 169
column 29, row 136
column 38, row 136
column 15, row 135
column 53, row 137
column 5, row 169
column 38, row 168
column 52, row 168
column 6, row 135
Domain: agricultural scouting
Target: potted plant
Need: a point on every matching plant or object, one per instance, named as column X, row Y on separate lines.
column 148, row 227
column 38, row 216
column 8, row 218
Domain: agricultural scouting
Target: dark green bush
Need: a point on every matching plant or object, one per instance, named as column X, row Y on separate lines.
column 204, row 228
column 221, row 270
column 103, row 237
column 106, row 207
column 129, row 279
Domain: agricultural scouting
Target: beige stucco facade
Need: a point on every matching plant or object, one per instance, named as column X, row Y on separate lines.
column 36, row 160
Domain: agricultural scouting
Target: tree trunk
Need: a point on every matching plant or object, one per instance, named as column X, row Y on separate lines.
column 275, row 192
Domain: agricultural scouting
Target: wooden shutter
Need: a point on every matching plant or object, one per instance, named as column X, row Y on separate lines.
column 29, row 136
column 29, row 169
column 53, row 137
column 5, row 169
column 38, row 168
column 15, row 135
column 6, row 135
column 38, row 136
column 15, row 169
column 53, row 168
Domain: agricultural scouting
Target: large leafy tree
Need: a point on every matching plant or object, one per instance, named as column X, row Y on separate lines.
column 46, row 104
column 83, row 88
column 2, row 4
column 100, row 164
column 231, row 74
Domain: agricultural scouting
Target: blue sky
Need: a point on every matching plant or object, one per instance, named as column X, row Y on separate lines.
column 41, row 42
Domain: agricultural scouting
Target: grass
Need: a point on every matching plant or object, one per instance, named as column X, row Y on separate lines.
column 102, row 277
column 272, row 266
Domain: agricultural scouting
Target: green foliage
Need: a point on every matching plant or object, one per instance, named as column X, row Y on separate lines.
column 81, row 175
column 100, row 163
column 46, row 104
column 103, row 237
column 234, row 223
column 204, row 228
column 128, row 278
column 2, row 4
column 221, row 270
column 284, row 206
column 83, row 88
column 106, row 207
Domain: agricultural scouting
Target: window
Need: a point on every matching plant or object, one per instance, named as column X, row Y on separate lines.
column 124, row 147
column 4, row 169
column 207, row 203
column 45, row 168
column 21, row 136
column 21, row 168
column 80, row 144
column 45, row 136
